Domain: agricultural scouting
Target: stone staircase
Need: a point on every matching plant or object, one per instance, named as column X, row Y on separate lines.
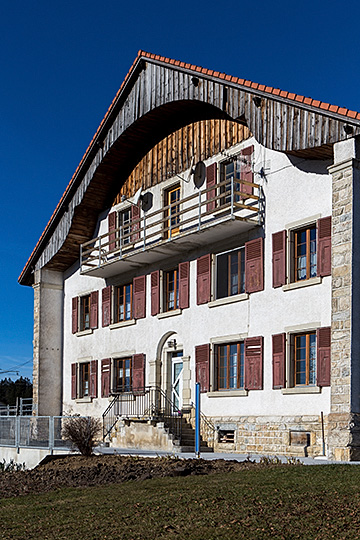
column 187, row 442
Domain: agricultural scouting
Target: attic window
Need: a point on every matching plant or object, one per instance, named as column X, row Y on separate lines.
column 195, row 81
column 257, row 101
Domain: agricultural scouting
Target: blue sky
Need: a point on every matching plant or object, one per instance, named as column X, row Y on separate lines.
column 61, row 64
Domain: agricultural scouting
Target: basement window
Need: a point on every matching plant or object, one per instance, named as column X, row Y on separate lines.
column 226, row 436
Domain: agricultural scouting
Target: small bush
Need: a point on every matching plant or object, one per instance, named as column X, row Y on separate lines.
column 84, row 433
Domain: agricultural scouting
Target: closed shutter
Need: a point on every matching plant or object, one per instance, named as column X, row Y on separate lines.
column 112, row 227
column 184, row 280
column 94, row 302
column 73, row 381
column 246, row 173
column 139, row 297
column 203, row 279
column 202, row 366
column 254, row 363
column 106, row 306
column 74, row 314
column 278, row 360
column 138, row 374
column 254, row 265
column 323, row 356
column 93, row 378
column 155, row 292
column 135, row 223
column 105, row 377
column 211, row 181
column 324, row 246
column 279, row 259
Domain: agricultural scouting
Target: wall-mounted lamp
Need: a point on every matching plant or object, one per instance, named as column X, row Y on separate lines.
column 172, row 343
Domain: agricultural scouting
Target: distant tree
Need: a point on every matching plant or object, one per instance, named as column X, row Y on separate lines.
column 10, row 390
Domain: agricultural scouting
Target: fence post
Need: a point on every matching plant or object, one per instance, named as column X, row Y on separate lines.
column 17, row 433
column 197, row 420
column 51, row 434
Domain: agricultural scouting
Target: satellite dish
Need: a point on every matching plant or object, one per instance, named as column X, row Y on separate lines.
column 199, row 174
column 136, row 197
column 146, row 201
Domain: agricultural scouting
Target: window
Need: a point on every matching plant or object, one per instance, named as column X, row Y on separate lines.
column 172, row 210
column 230, row 273
column 305, row 359
column 305, row 253
column 123, row 303
column 84, row 379
column 230, row 366
column 84, row 314
column 84, row 323
column 122, row 374
column 228, row 171
column 124, row 223
column 171, row 290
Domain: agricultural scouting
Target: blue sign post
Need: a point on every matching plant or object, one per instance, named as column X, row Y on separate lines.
column 197, row 420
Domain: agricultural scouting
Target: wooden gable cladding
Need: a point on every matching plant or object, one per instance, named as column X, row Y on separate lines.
column 174, row 153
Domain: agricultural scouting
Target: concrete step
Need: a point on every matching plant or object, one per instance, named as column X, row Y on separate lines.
column 188, row 449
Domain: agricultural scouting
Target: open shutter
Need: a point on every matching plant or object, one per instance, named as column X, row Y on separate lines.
column 203, row 279
column 323, row 356
column 94, row 302
column 105, row 377
column 73, row 381
column 278, row 360
column 254, row 265
column 139, row 297
column 202, row 366
column 155, row 292
column 211, row 181
column 324, row 246
column 184, row 277
column 74, row 314
column 138, row 374
column 246, row 173
column 93, row 378
column 135, row 222
column 112, row 227
column 279, row 259
column 106, row 306
column 254, row 363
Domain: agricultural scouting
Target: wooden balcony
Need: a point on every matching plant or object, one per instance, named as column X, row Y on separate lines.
column 206, row 217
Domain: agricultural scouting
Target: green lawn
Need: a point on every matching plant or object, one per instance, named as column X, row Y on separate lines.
column 285, row 502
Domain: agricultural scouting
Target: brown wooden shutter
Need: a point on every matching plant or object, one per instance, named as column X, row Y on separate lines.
column 202, row 366
column 254, row 363
column 94, row 302
column 138, row 374
column 139, row 297
column 73, row 381
column 246, row 172
column 155, row 292
column 112, row 227
column 278, row 360
column 184, row 282
column 93, row 378
column 105, row 377
column 135, row 217
column 279, row 259
column 106, row 306
column 203, row 279
column 211, row 181
column 74, row 314
column 254, row 265
column 323, row 356
column 324, row 246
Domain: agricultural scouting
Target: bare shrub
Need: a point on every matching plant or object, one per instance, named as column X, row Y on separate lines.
column 84, row 433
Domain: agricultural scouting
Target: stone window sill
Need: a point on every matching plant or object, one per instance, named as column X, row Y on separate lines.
column 86, row 399
column 84, row 332
column 121, row 324
column 301, row 390
column 227, row 393
column 301, row 284
column 171, row 313
column 228, row 300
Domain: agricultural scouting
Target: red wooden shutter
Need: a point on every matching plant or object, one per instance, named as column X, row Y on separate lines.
column 138, row 374
column 324, row 246
column 73, row 381
column 74, row 314
column 254, row 265
column 112, row 227
column 203, row 279
column 202, row 366
column 106, row 306
column 279, row 259
column 94, row 302
column 155, row 292
column 246, row 172
column 278, row 360
column 135, row 217
column 254, row 363
column 93, row 378
column 211, row 181
column 139, row 297
column 184, row 281
column 105, row 377
column 323, row 356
